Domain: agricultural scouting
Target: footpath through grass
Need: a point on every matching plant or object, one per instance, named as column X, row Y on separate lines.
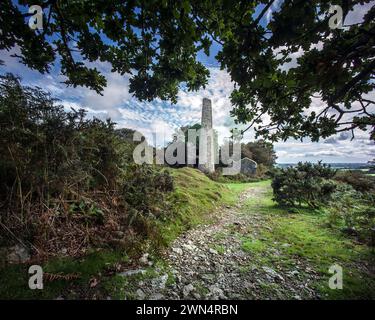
column 282, row 240
column 302, row 238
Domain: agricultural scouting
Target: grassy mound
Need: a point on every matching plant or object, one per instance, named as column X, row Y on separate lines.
column 195, row 195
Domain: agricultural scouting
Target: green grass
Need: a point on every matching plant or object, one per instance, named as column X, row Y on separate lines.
column 253, row 245
column 219, row 248
column 14, row 279
column 310, row 240
column 240, row 187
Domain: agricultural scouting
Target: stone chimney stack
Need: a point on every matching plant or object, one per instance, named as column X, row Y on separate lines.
column 207, row 114
column 206, row 139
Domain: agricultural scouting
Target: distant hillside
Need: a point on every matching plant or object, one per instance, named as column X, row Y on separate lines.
column 351, row 166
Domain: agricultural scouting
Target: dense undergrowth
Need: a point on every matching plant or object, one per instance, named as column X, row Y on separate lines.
column 69, row 184
column 194, row 196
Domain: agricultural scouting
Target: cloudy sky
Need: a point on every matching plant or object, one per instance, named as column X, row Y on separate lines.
column 159, row 116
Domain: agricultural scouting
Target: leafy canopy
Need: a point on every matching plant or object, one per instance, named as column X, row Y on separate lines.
column 157, row 42
column 261, row 151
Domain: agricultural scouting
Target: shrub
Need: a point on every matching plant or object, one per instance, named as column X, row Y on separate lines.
column 306, row 184
column 357, row 179
column 144, row 187
column 262, row 171
column 66, row 181
column 352, row 211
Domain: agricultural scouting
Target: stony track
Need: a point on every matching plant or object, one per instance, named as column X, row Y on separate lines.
column 208, row 262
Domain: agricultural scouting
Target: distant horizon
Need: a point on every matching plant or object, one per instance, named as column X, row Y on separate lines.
column 315, row 161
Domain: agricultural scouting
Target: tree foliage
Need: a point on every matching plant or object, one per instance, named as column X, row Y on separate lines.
column 358, row 180
column 261, row 151
column 157, row 42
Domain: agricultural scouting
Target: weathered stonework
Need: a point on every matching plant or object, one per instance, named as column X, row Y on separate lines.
column 248, row 166
column 207, row 113
column 206, row 139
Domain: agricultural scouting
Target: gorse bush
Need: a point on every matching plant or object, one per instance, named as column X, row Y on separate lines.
column 352, row 211
column 144, row 186
column 357, row 179
column 66, row 181
column 306, row 184
column 44, row 149
column 347, row 203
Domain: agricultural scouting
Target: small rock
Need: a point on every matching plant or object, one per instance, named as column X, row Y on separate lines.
column 132, row 272
column 197, row 296
column 177, row 250
column 213, row 251
column 189, row 247
column 187, row 289
column 216, row 293
column 160, row 282
column 18, row 254
column 141, row 295
column 273, row 273
column 144, row 259
column 248, row 285
column 157, row 296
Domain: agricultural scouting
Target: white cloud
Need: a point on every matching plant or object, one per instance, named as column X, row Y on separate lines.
column 357, row 14
column 273, row 8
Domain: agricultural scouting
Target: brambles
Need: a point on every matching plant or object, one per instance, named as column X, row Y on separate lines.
column 306, row 184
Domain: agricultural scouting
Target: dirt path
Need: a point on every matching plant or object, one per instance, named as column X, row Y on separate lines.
column 209, row 262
